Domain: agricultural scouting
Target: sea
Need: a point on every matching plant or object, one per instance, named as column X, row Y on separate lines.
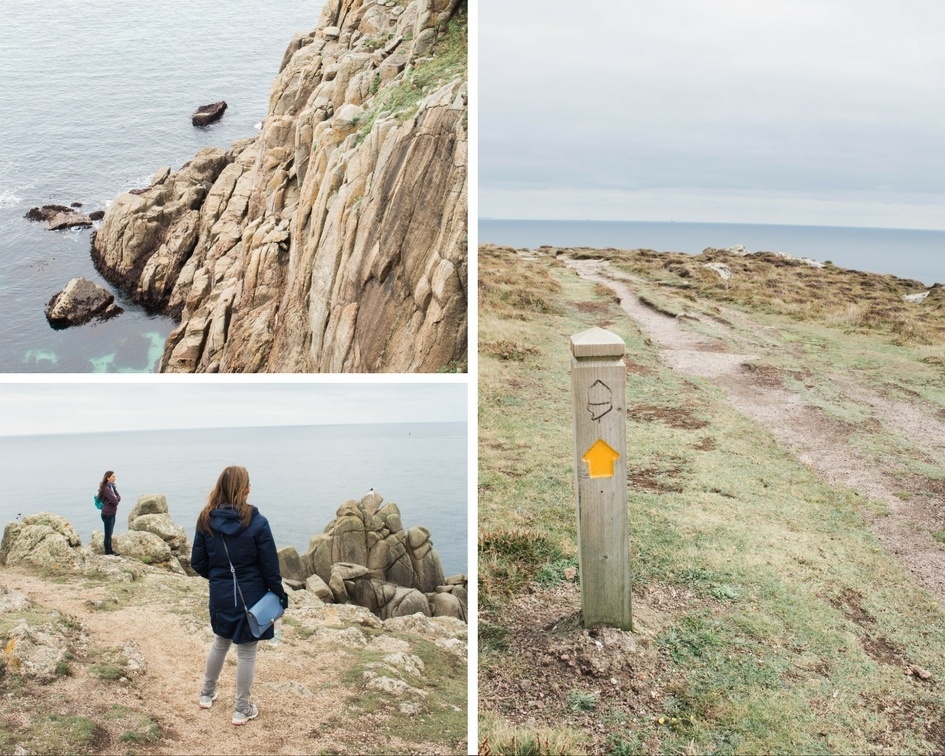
column 906, row 253
column 300, row 476
column 96, row 97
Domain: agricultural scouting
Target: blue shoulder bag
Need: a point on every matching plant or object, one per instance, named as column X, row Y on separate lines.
column 261, row 614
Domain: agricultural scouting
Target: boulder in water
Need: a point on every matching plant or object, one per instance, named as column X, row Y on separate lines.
column 79, row 302
column 207, row 114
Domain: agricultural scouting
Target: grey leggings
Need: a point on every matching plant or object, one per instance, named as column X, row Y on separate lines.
column 245, row 669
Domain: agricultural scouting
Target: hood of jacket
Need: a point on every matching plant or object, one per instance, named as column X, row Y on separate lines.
column 227, row 521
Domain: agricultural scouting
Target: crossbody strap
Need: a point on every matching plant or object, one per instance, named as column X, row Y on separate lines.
column 236, row 585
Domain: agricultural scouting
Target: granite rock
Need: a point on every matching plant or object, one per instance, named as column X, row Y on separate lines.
column 335, row 240
column 79, row 302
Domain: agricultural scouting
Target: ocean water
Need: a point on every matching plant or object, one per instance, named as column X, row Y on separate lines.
column 300, row 476
column 912, row 254
column 96, row 97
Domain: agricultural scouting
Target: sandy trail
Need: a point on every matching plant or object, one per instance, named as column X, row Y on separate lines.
column 296, row 689
column 818, row 442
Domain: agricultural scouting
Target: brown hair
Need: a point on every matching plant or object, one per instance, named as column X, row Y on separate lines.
column 105, row 477
column 232, row 489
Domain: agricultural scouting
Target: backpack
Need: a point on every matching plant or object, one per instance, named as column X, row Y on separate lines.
column 98, row 502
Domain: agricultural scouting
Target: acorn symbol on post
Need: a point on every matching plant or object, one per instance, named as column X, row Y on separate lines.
column 599, row 400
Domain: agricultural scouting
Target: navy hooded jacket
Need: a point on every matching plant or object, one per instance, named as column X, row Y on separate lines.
column 253, row 553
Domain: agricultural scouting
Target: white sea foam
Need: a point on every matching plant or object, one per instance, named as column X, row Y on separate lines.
column 9, row 191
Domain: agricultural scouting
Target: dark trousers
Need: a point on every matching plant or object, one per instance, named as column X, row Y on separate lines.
column 109, row 521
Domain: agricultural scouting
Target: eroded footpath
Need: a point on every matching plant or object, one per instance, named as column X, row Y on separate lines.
column 111, row 662
column 732, row 352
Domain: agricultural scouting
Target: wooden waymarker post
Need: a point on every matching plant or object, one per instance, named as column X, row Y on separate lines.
column 598, row 396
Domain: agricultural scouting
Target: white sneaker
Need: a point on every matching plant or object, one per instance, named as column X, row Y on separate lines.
column 207, row 701
column 239, row 718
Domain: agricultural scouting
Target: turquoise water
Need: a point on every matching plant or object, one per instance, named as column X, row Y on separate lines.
column 96, row 97
column 913, row 254
column 300, row 474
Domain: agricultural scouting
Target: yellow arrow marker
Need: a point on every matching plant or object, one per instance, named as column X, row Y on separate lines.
column 600, row 459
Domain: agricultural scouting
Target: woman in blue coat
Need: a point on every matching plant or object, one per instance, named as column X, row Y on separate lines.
column 231, row 530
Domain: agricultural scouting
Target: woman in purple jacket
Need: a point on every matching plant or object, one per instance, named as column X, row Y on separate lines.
column 110, row 497
column 232, row 532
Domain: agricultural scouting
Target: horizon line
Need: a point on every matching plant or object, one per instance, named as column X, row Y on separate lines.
column 706, row 223
column 228, row 427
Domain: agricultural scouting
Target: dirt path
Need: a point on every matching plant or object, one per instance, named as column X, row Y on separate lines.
column 818, row 441
column 296, row 690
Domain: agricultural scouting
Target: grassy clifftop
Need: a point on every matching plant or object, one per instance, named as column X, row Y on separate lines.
column 785, row 536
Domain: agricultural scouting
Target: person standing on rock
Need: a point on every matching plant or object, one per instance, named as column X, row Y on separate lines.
column 109, row 496
column 231, row 531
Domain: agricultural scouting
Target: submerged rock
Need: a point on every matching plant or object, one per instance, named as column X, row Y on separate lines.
column 79, row 302
column 69, row 220
column 207, row 114
column 60, row 217
column 46, row 212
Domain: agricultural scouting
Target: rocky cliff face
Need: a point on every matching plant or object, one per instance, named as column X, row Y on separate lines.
column 334, row 240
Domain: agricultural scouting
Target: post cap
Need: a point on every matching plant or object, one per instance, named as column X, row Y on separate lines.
column 597, row 342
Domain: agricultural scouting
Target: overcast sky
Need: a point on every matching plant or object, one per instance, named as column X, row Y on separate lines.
column 54, row 407
column 823, row 112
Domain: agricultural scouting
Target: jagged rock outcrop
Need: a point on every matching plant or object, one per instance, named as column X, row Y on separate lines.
column 141, row 546
column 387, row 600
column 365, row 557
column 79, row 302
column 42, row 539
column 49, row 541
column 335, row 240
column 150, row 514
column 366, row 533
column 724, row 271
column 451, row 598
column 152, row 538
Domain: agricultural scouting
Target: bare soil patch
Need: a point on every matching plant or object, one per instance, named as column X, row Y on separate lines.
column 594, row 307
column 909, row 715
column 675, row 417
column 635, row 368
column 655, row 479
column 599, row 680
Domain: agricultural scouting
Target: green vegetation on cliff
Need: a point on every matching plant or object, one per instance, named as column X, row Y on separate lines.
column 446, row 62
